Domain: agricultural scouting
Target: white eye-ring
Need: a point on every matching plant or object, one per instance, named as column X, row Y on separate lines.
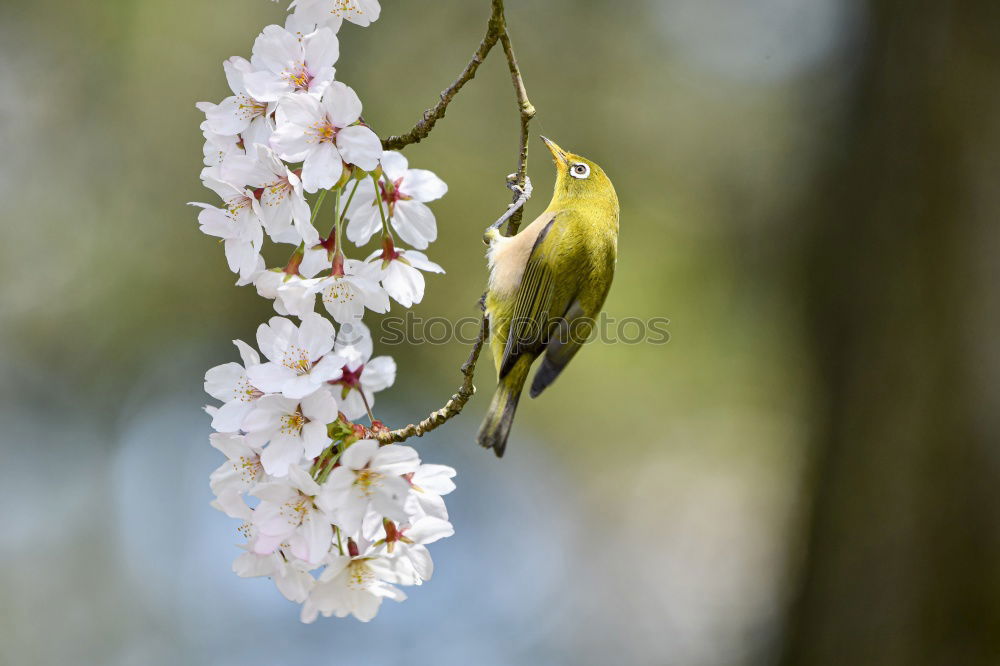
column 579, row 170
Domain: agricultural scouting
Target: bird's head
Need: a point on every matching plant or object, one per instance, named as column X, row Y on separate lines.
column 579, row 178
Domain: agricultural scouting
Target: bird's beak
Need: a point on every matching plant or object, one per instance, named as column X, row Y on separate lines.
column 558, row 154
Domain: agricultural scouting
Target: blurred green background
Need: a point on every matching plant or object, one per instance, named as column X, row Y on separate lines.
column 806, row 474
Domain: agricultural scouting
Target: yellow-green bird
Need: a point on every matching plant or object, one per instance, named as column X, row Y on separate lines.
column 547, row 286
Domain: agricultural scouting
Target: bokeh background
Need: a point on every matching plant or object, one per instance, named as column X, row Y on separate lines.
column 808, row 473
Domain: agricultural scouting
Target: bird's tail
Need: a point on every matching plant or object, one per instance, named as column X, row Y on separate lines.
column 496, row 426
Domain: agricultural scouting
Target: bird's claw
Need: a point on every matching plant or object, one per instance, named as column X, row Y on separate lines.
column 522, row 194
column 520, row 191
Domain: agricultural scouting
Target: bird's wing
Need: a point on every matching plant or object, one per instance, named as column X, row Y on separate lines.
column 530, row 322
column 567, row 338
column 574, row 325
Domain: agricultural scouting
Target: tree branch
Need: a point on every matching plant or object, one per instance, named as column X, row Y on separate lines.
column 454, row 404
column 526, row 110
column 424, row 126
column 495, row 31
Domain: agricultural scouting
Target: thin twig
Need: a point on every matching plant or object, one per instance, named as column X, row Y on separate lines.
column 454, row 404
column 521, row 196
column 526, row 111
column 436, row 112
column 496, row 31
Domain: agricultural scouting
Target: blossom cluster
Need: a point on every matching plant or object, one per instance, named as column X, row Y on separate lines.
column 335, row 519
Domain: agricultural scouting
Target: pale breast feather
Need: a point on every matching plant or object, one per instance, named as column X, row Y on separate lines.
column 508, row 256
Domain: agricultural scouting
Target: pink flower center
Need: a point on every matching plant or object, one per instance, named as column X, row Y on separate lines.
column 391, row 195
column 300, row 78
column 351, row 378
column 248, row 108
column 323, row 132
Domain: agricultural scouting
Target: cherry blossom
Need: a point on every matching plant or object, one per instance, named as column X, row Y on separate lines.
column 369, row 477
column 428, row 484
column 350, row 290
column 239, row 114
column 287, row 513
column 291, row 288
column 218, row 147
column 282, row 63
column 353, row 585
column 299, row 358
column 290, row 575
column 406, row 547
column 333, row 12
column 362, row 376
column 314, row 260
column 238, row 225
column 242, row 470
column 292, row 294
column 282, row 200
column 322, row 134
column 404, row 193
column 229, row 383
column 232, row 504
column 295, row 428
column 400, row 272
column 335, row 519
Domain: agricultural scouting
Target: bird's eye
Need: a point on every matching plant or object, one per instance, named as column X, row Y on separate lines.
column 579, row 170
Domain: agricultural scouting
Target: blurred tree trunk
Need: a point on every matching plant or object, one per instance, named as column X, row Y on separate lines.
column 902, row 560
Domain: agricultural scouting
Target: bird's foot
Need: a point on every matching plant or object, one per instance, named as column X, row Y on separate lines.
column 521, row 196
column 512, row 185
column 519, row 192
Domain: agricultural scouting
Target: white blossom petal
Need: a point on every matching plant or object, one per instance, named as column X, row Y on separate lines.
column 359, row 145
column 423, row 185
column 321, row 169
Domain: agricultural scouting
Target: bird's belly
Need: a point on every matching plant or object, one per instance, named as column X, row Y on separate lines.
column 508, row 255
column 507, row 258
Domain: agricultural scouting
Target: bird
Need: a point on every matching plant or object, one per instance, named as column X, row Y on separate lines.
column 547, row 286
